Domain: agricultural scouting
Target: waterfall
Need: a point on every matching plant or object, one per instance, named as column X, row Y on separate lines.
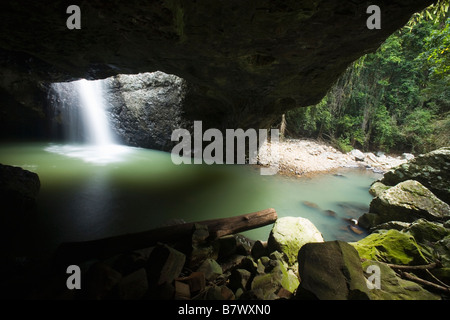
column 93, row 108
column 80, row 115
column 80, row 108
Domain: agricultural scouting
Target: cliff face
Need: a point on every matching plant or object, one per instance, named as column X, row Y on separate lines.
column 244, row 62
column 144, row 109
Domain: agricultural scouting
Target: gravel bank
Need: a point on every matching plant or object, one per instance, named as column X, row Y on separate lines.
column 299, row 157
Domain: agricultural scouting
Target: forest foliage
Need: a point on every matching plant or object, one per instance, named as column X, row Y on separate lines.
column 396, row 99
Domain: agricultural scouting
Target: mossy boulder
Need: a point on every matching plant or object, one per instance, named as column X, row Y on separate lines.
column 377, row 188
column 331, row 271
column 431, row 169
column 393, row 287
column 407, row 202
column 427, row 231
column 391, row 246
column 289, row 234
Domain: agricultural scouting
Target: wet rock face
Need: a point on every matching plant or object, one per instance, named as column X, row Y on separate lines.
column 245, row 62
column 144, row 109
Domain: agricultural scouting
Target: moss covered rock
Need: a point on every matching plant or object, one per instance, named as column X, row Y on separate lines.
column 393, row 287
column 267, row 285
column 331, row 271
column 427, row 231
column 377, row 188
column 289, row 234
column 391, row 246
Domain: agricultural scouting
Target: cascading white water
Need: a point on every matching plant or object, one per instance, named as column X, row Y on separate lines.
column 80, row 109
column 93, row 109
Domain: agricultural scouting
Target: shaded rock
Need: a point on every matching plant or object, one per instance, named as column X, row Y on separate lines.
column 424, row 230
column 196, row 282
column 377, row 188
column 393, row 287
column 310, row 204
column 391, row 246
column 211, row 269
column 441, row 251
column 431, row 169
column 100, row 281
column 18, row 182
column 397, row 225
column 408, row 201
column 217, row 293
column 129, row 262
column 227, row 246
column 330, row 213
column 164, row 265
column 182, row 291
column 259, row 249
column 202, row 248
column 330, row 271
column 266, row 286
column 289, row 234
column 239, row 278
column 248, row 264
column 133, row 286
column 19, row 189
column 368, row 220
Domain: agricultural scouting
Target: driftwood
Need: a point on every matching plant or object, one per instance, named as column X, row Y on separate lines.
column 418, row 267
column 423, row 282
column 401, row 269
column 76, row 252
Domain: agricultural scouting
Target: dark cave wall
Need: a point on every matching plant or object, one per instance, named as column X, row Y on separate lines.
column 244, row 62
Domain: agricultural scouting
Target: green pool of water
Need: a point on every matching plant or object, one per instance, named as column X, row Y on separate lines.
column 89, row 193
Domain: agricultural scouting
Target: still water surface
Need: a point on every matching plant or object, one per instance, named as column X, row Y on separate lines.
column 89, row 193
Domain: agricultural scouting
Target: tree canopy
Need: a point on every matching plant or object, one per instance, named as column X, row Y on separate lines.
column 396, row 99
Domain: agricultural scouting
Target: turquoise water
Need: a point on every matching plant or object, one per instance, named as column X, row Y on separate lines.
column 87, row 193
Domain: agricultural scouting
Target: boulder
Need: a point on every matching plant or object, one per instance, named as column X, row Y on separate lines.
column 377, row 188
column 391, row 246
column 431, row 169
column 259, row 249
column 19, row 189
column 427, row 231
column 393, row 287
column 407, row 156
column 239, row 278
column 134, row 285
column 289, row 234
column 164, row 265
column 408, row 201
column 358, row 155
column 145, row 108
column 266, row 286
column 211, row 269
column 330, row 271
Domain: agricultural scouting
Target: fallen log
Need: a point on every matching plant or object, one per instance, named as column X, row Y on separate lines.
column 76, row 252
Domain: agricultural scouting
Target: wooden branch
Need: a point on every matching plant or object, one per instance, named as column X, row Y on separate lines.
column 411, row 277
column 75, row 252
column 419, row 267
